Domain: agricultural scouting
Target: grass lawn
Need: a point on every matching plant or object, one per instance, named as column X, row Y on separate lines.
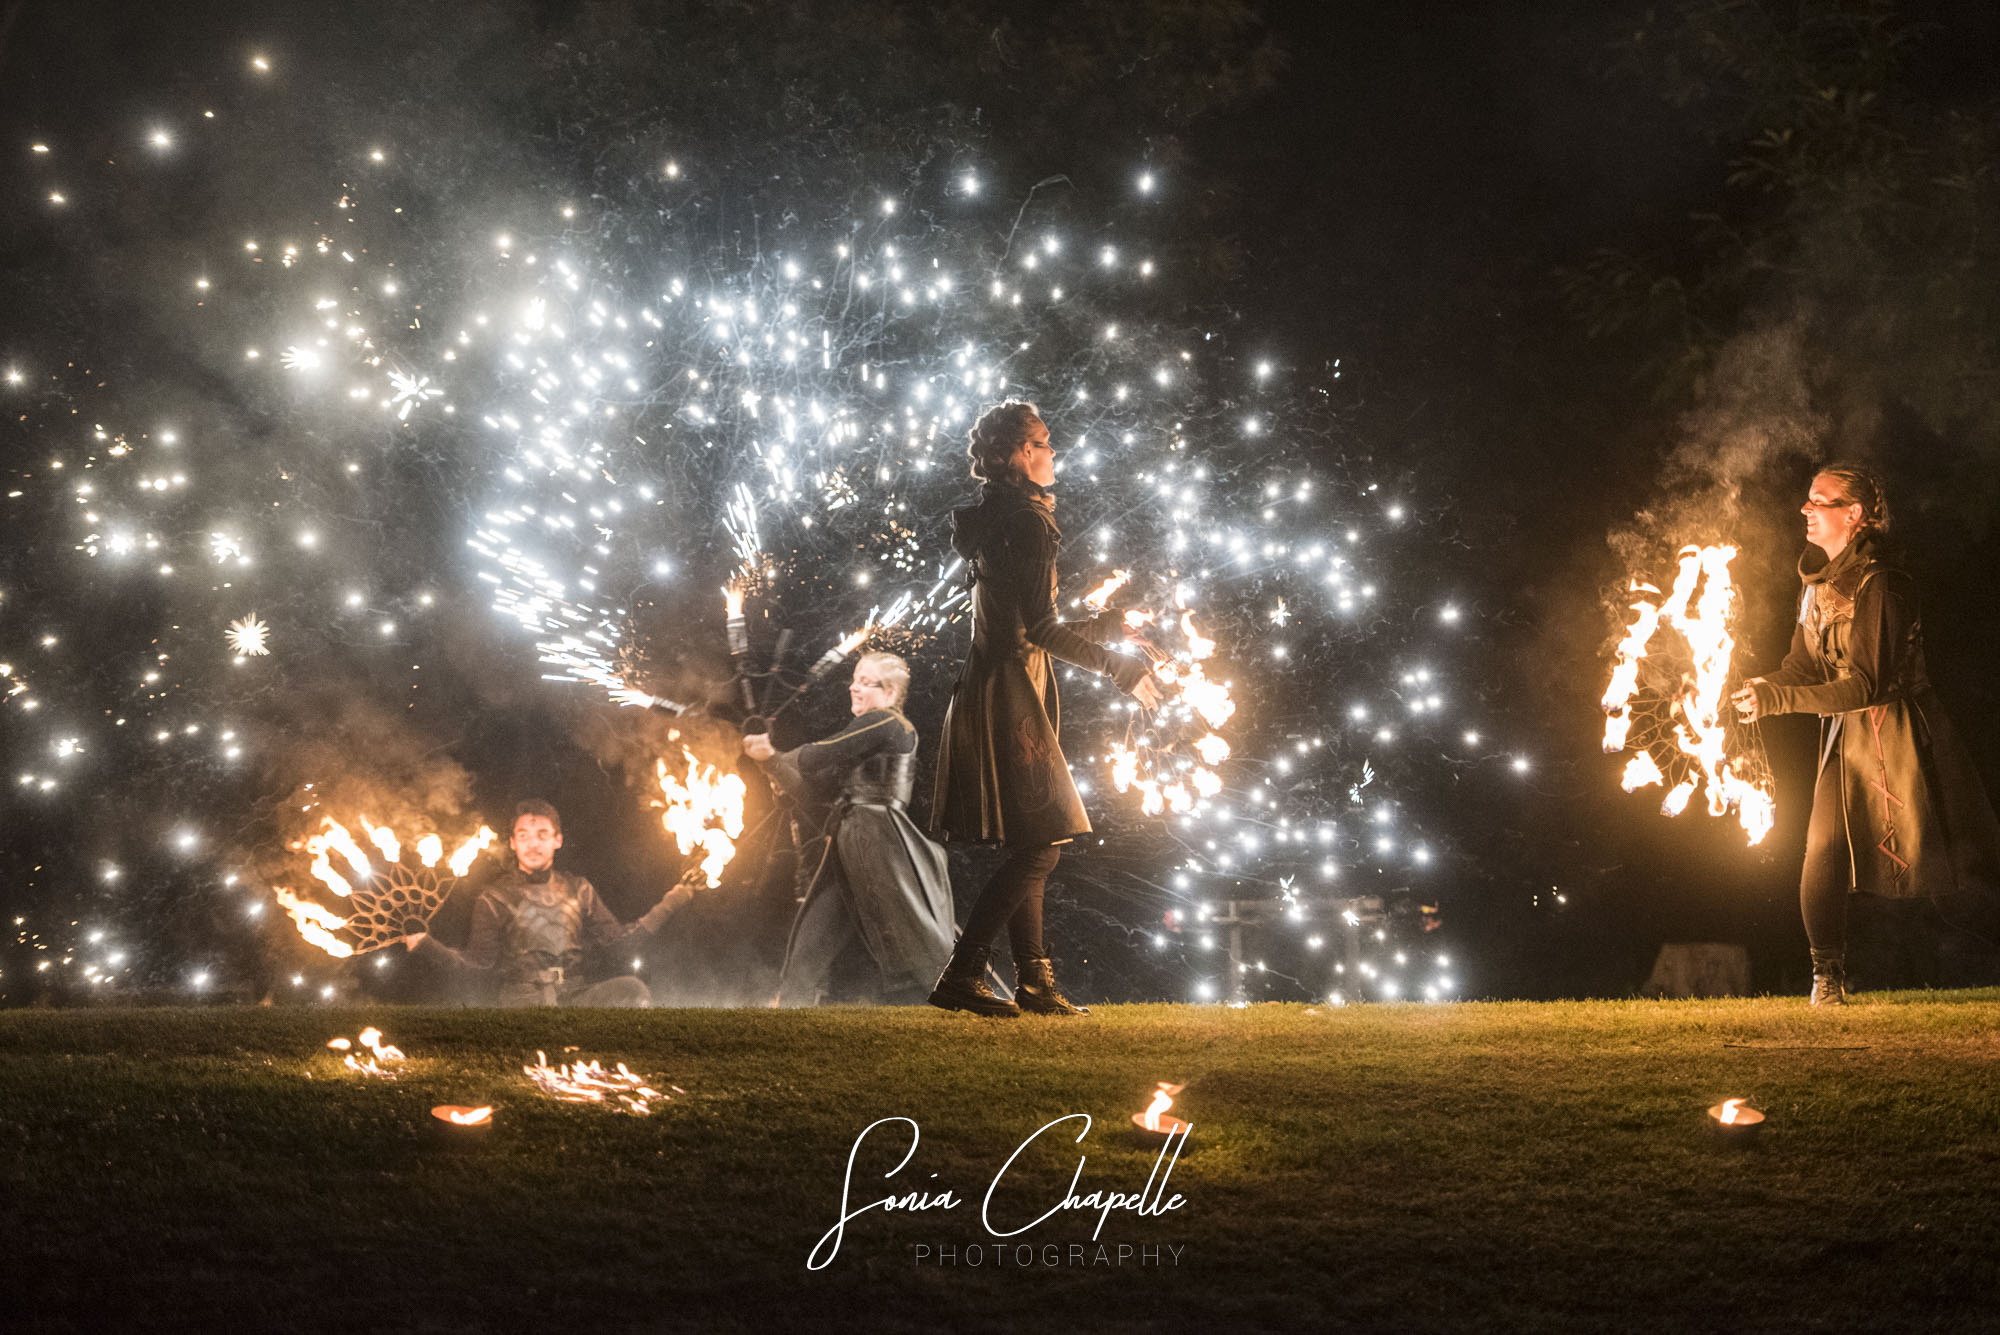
column 1468, row 1167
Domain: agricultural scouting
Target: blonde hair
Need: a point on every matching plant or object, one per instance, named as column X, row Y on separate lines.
column 1865, row 490
column 998, row 433
column 893, row 672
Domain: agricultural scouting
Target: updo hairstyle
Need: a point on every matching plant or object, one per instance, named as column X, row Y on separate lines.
column 996, row 436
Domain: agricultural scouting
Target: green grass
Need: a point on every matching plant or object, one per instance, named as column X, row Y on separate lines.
column 1493, row 1167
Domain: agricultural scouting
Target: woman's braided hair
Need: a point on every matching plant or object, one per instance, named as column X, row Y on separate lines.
column 996, row 436
column 1864, row 489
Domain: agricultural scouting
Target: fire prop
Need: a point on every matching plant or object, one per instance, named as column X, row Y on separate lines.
column 1150, row 759
column 379, row 1052
column 702, row 811
column 1687, row 737
column 1155, row 1121
column 390, row 898
column 589, row 1082
column 1735, row 1119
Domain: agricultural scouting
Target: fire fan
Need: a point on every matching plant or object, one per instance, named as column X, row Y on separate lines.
column 1668, row 701
column 390, row 898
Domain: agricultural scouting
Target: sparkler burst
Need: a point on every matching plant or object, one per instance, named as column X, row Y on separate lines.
column 249, row 637
column 589, row 426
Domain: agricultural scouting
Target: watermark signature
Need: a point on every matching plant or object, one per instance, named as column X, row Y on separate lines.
column 1150, row 1200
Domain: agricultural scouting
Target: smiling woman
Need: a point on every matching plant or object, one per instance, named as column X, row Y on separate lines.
column 1898, row 810
column 879, row 892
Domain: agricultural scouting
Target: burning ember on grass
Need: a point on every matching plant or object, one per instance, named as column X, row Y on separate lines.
column 703, row 811
column 391, row 897
column 1675, row 695
column 379, row 1053
column 589, row 1082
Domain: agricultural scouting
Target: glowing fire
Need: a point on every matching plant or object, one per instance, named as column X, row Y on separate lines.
column 1165, row 783
column 389, row 899
column 703, row 811
column 1099, row 598
column 464, row 1116
column 589, row 1082
column 1730, row 1107
column 1699, row 607
column 1155, row 1117
column 379, row 1052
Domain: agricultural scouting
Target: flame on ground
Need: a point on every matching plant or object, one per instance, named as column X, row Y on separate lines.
column 1699, row 606
column 1163, row 1099
column 1730, row 1108
column 703, row 811
column 589, row 1082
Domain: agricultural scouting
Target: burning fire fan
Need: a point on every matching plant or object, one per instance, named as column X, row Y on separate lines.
column 1667, row 701
column 390, row 898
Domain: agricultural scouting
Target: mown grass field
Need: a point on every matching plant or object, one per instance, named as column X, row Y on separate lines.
column 1470, row 1167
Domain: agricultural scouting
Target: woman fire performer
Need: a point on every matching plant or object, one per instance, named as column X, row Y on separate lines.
column 881, row 887
column 1898, row 810
column 1001, row 776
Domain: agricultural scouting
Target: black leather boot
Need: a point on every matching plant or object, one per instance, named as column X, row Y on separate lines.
column 1829, row 978
column 962, row 986
column 1035, row 989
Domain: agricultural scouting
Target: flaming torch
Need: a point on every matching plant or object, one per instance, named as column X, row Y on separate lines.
column 1681, row 700
column 390, row 898
column 703, row 810
column 738, row 630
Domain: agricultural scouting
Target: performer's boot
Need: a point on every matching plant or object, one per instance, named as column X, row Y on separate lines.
column 1035, row 989
column 1829, row 978
column 962, row 986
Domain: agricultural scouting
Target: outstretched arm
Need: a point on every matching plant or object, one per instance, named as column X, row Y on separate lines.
column 1031, row 560
column 482, row 948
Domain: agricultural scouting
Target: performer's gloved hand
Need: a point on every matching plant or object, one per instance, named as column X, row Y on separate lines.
column 415, row 939
column 1745, row 700
column 757, row 746
column 625, row 695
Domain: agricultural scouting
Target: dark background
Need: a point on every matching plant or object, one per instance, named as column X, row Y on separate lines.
column 1597, row 275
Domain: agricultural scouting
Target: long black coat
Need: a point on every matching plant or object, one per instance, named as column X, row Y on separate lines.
column 1898, row 809
column 895, row 880
column 1001, row 776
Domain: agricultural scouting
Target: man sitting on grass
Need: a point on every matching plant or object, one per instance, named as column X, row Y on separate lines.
column 530, row 931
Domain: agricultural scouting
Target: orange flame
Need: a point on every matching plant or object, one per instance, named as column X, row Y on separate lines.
column 1099, row 598
column 589, row 1082
column 467, row 1116
column 372, row 886
column 703, row 811
column 1163, row 1099
column 1699, row 606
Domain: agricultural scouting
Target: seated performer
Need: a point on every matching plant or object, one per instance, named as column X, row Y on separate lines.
column 529, row 932
column 880, row 891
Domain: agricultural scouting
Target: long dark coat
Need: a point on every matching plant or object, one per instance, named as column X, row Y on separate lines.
column 896, row 881
column 1898, row 809
column 1001, row 776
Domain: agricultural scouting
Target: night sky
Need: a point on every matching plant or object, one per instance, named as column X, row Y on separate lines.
column 1582, row 281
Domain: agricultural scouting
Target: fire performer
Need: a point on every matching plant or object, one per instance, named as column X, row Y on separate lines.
column 531, row 930
column 880, row 887
column 1898, row 810
column 1001, row 776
